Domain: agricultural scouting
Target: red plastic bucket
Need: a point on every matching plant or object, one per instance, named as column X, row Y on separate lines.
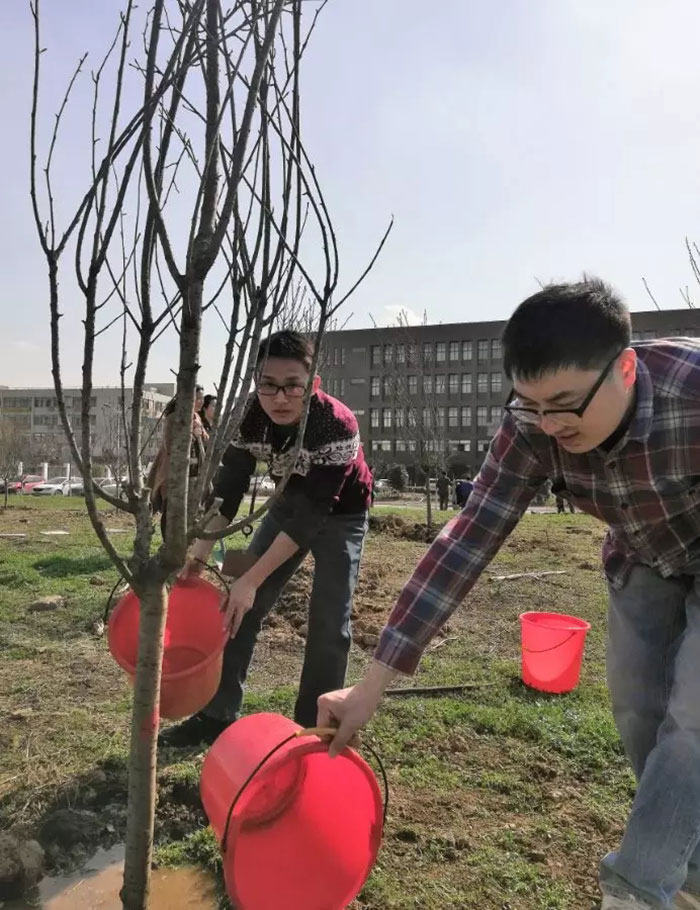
column 193, row 646
column 305, row 831
column 552, row 650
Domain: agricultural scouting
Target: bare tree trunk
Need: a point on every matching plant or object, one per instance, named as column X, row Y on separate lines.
column 428, row 502
column 142, row 759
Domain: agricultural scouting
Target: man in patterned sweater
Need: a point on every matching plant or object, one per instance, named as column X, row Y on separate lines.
column 616, row 428
column 322, row 511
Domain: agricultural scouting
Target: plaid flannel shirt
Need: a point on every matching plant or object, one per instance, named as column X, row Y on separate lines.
column 646, row 489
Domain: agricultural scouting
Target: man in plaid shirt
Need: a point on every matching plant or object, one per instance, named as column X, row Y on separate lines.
column 616, row 429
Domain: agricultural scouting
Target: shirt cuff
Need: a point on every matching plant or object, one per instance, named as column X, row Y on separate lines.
column 397, row 652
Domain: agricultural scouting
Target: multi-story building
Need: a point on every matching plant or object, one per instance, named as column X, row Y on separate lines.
column 451, row 375
column 34, row 413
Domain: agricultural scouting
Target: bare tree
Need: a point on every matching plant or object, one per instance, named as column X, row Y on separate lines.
column 14, row 449
column 694, row 258
column 419, row 413
column 200, row 204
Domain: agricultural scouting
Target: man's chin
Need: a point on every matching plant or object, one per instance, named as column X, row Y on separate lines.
column 578, row 443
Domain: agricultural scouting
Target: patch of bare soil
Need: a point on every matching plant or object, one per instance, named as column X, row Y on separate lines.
column 378, row 586
column 89, row 812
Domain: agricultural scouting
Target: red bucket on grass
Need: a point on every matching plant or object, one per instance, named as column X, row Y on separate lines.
column 552, row 650
column 193, row 646
column 300, row 830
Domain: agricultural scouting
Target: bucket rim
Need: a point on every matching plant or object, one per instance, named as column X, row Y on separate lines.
column 570, row 624
column 309, row 746
column 179, row 674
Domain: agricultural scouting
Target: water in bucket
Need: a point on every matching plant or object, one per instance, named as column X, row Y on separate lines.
column 192, row 646
column 552, row 650
column 305, row 831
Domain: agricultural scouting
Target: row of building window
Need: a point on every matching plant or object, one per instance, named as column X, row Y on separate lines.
column 336, row 387
column 386, row 418
column 651, row 334
column 437, row 384
column 53, row 420
column 439, row 351
column 338, row 357
column 24, row 403
column 456, row 351
column 409, row 445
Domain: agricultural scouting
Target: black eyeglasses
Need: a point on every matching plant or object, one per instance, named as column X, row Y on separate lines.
column 290, row 390
column 565, row 416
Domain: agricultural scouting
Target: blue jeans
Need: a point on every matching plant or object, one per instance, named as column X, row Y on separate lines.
column 337, row 551
column 654, row 680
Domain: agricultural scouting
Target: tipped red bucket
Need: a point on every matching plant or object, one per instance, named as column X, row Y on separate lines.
column 305, row 830
column 193, row 645
column 552, row 650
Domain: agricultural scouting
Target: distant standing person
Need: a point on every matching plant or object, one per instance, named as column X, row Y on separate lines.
column 443, row 489
column 160, row 469
column 206, row 414
column 462, row 492
column 561, row 505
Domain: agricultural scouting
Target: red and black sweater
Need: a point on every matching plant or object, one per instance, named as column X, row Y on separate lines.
column 330, row 476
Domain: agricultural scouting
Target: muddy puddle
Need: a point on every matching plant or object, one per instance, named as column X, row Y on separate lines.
column 96, row 887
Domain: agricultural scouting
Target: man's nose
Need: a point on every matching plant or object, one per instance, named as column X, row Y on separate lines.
column 549, row 425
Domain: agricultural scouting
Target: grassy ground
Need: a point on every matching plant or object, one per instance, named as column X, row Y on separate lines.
column 501, row 798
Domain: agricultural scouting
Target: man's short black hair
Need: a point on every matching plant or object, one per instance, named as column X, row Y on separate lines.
column 581, row 325
column 287, row 345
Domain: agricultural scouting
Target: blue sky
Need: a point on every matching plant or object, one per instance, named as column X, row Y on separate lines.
column 530, row 139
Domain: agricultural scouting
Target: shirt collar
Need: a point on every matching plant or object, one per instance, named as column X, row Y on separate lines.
column 640, row 425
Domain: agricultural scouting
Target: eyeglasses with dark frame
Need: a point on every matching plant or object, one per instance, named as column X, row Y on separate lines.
column 562, row 415
column 289, row 390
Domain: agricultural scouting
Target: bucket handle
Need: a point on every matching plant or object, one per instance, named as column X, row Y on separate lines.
column 215, row 569
column 109, row 605
column 310, row 731
column 554, row 647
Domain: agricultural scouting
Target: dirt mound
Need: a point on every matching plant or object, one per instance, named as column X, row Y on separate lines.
column 378, row 586
column 399, row 527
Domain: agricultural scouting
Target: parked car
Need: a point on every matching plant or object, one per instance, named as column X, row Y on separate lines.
column 12, row 486
column 74, row 487
column 29, row 481
column 109, row 485
column 262, row 485
column 51, row 487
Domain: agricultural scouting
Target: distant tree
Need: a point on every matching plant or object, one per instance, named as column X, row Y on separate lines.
column 420, row 413
column 458, row 465
column 398, row 477
column 13, row 451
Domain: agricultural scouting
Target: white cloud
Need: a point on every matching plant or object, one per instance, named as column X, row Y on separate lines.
column 393, row 311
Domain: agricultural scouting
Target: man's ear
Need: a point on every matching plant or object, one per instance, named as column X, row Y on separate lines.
column 628, row 367
column 316, row 385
